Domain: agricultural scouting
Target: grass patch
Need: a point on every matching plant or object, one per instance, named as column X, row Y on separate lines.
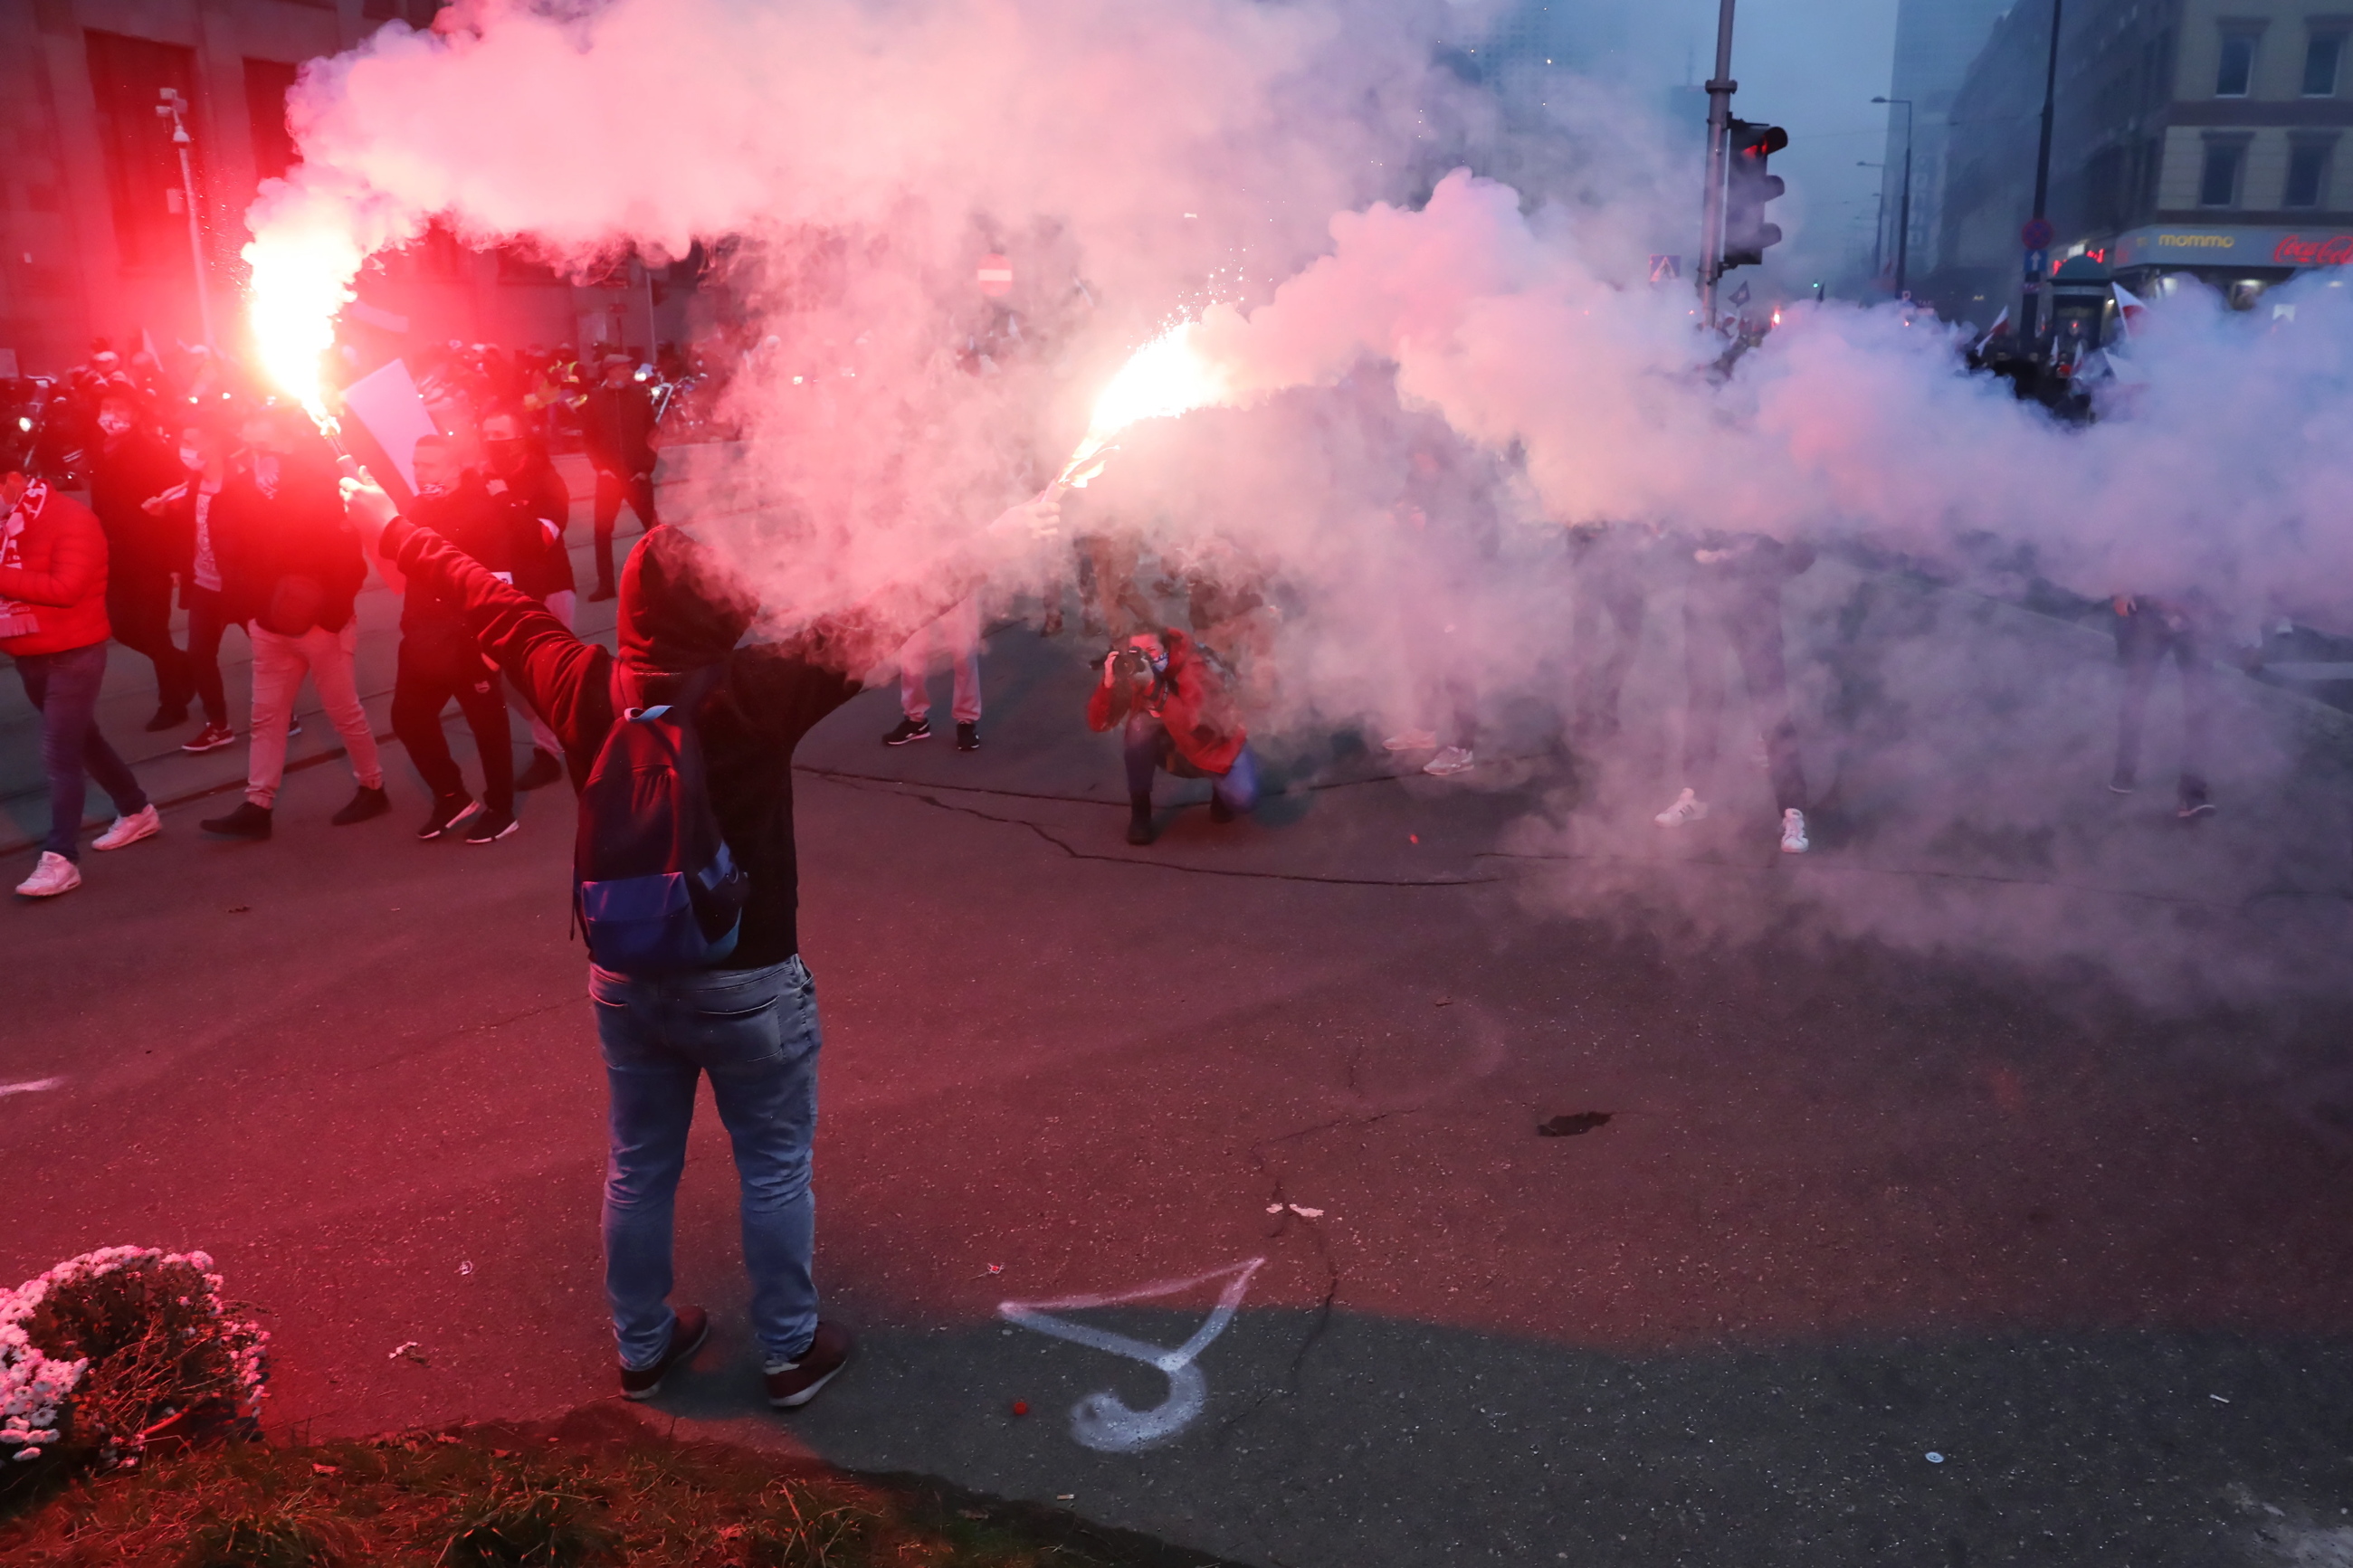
column 594, row 1490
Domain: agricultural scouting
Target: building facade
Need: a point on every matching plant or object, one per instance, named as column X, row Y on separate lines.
column 95, row 237
column 1935, row 42
column 2198, row 137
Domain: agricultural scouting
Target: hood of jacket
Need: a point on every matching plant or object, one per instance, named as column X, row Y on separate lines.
column 682, row 606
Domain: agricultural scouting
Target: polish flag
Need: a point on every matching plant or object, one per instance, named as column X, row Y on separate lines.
column 2129, row 306
column 2000, row 325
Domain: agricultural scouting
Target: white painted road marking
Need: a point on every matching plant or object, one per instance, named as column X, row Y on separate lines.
column 1102, row 1421
column 30, row 1086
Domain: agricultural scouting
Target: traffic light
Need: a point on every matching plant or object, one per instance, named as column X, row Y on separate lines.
column 1746, row 188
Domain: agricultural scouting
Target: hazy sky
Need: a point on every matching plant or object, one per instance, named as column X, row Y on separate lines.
column 1810, row 65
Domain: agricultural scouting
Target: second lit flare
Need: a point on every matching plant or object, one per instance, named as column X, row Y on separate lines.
column 1165, row 377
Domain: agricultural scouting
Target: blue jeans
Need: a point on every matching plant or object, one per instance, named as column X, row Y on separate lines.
column 755, row 1031
column 1148, row 747
column 64, row 687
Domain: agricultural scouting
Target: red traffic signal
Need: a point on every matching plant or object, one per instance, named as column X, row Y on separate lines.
column 1747, row 187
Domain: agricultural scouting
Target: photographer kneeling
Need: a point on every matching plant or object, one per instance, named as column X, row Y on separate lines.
column 1180, row 716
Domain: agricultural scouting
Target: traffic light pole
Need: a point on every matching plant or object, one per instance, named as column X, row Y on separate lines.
column 1720, row 89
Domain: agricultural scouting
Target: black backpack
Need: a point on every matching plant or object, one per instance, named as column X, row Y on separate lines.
column 654, row 885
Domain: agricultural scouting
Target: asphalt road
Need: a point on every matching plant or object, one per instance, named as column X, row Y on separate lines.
column 1937, row 1217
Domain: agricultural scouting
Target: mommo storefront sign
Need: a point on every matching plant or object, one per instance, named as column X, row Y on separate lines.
column 2228, row 246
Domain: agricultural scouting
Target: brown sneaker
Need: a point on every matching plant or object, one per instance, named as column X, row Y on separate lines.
column 794, row 1384
column 686, row 1336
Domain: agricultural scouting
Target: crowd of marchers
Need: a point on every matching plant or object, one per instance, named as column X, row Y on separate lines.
column 199, row 489
column 679, row 743
column 230, row 502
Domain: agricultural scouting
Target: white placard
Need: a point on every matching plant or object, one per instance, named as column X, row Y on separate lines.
column 386, row 401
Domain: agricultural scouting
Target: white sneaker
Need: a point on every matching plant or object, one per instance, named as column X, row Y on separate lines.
column 1453, row 760
column 1793, row 833
column 54, row 875
column 141, row 823
column 1411, row 741
column 1688, row 807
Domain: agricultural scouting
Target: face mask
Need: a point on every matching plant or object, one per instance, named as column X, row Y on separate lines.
column 1158, row 661
column 112, row 425
column 506, row 456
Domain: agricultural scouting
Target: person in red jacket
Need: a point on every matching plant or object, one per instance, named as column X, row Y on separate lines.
column 53, row 624
column 1172, row 695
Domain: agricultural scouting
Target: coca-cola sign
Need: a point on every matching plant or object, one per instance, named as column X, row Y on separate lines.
column 2295, row 250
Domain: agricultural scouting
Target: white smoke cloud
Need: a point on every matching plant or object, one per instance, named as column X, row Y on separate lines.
column 861, row 157
column 1429, row 378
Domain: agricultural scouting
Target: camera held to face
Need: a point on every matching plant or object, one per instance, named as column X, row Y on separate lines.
column 1133, row 665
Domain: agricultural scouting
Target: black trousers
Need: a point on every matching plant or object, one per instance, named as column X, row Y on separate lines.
column 2144, row 638
column 1746, row 621
column 426, row 680
column 207, row 619
column 638, row 489
column 1606, row 602
column 138, row 609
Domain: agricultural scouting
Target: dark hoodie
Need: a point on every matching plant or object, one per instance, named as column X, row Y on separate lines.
column 678, row 613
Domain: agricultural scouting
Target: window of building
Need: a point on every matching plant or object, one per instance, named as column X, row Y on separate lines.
column 415, row 13
column 267, row 83
column 2307, row 174
column 2236, row 73
column 127, row 78
column 436, row 252
column 520, row 264
column 2218, row 182
column 2156, row 84
column 2322, row 56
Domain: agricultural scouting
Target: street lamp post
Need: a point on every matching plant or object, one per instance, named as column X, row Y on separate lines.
column 1878, row 218
column 174, row 108
column 2030, row 307
column 1903, row 211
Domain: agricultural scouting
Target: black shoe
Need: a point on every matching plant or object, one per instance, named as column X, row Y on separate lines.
column 248, row 821
column 492, row 827
column 1139, row 819
column 692, row 1327
column 542, row 771
column 602, row 592
column 448, row 814
column 365, row 804
column 1220, row 811
column 909, row 730
column 293, row 728
column 968, row 737
column 170, row 716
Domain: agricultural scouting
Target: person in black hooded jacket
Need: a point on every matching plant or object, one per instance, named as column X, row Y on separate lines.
column 751, row 1021
column 129, row 467
column 440, row 661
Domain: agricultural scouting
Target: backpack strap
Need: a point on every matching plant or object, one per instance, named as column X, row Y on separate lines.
column 630, row 691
